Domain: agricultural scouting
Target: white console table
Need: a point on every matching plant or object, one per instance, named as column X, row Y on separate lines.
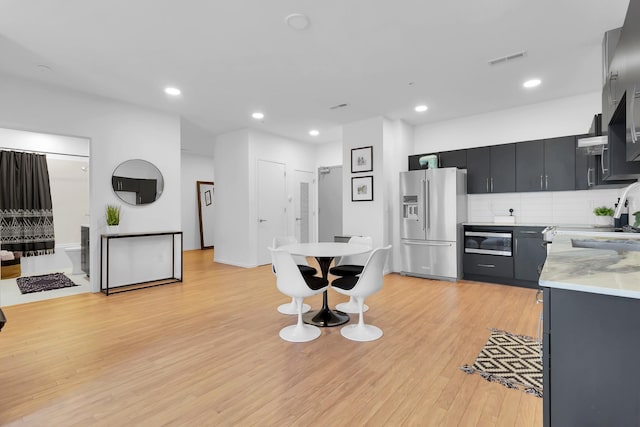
column 105, row 240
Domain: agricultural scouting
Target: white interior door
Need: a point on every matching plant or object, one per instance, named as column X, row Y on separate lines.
column 272, row 206
column 303, row 206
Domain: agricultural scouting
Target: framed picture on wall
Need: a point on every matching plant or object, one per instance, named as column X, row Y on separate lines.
column 362, row 159
column 362, row 188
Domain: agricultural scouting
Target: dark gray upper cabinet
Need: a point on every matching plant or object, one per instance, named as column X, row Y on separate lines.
column 503, row 168
column 478, row 170
column 530, row 166
column 625, row 83
column 453, row 159
column 614, row 157
column 491, row 169
column 546, row 165
column 560, row 163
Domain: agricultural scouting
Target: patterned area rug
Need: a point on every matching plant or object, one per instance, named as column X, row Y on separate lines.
column 511, row 360
column 46, row 282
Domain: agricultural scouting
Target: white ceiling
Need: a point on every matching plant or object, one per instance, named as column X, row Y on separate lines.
column 381, row 57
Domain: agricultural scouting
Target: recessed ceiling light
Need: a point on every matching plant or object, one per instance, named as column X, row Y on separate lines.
column 421, row 108
column 531, row 83
column 297, row 21
column 174, row 91
column 257, row 115
column 314, row 132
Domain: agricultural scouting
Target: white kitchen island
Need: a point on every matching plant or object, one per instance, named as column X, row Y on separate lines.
column 591, row 340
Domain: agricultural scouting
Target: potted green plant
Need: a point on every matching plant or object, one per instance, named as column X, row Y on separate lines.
column 112, row 214
column 604, row 215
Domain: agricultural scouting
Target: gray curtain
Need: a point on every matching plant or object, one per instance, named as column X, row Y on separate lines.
column 26, row 211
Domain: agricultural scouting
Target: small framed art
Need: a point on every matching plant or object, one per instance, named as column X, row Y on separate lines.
column 362, row 188
column 362, row 159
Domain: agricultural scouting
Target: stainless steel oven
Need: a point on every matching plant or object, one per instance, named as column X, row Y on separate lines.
column 489, row 242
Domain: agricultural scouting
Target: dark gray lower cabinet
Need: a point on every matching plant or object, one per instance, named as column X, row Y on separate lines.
column 521, row 269
column 530, row 253
column 590, row 357
column 488, row 265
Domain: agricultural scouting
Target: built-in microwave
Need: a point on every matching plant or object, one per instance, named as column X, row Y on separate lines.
column 488, row 242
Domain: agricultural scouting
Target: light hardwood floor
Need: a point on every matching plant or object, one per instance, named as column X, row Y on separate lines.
column 207, row 352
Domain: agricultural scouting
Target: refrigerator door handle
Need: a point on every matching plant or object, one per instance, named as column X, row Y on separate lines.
column 428, row 208
column 424, row 204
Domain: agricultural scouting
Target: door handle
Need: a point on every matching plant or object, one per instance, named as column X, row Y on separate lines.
column 262, row 220
column 604, row 150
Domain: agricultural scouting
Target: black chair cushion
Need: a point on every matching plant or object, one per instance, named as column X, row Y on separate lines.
column 346, row 282
column 346, row 270
column 315, row 282
column 306, row 270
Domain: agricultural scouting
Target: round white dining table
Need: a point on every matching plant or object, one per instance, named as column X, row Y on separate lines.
column 324, row 253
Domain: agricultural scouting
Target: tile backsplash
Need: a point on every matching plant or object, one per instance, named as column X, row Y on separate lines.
column 552, row 207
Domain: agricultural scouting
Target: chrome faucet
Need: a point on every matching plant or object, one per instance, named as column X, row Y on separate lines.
column 623, row 199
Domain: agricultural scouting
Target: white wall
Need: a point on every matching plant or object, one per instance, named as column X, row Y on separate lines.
column 194, row 168
column 329, row 154
column 365, row 218
column 235, row 157
column 566, row 116
column 118, row 132
column 231, row 163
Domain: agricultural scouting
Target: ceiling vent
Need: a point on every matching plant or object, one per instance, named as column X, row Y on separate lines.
column 335, row 107
column 508, row 58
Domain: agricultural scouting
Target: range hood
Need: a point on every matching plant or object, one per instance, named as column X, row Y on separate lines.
column 593, row 145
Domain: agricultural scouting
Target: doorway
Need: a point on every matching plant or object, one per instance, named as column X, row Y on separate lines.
column 272, row 206
column 69, row 171
column 303, row 206
column 329, row 203
column 205, row 213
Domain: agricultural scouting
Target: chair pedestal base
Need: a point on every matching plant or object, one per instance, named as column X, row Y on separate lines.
column 351, row 307
column 300, row 333
column 291, row 308
column 361, row 332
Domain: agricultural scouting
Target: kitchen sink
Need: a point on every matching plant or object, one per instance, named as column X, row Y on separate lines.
column 620, row 245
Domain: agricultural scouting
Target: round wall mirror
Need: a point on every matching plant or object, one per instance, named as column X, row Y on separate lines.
column 137, row 182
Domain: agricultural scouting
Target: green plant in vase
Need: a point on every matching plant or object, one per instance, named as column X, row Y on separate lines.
column 636, row 223
column 113, row 215
column 604, row 215
column 603, row 211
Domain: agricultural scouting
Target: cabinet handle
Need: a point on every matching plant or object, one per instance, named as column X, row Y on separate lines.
column 632, row 112
column 492, row 184
column 541, row 187
column 612, row 77
column 487, row 184
column 487, row 265
column 546, row 182
column 529, row 232
column 589, row 182
column 604, row 149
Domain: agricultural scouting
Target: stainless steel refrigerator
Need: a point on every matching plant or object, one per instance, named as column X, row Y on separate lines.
column 433, row 208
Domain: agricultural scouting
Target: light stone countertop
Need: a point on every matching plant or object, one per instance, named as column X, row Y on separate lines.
column 614, row 271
